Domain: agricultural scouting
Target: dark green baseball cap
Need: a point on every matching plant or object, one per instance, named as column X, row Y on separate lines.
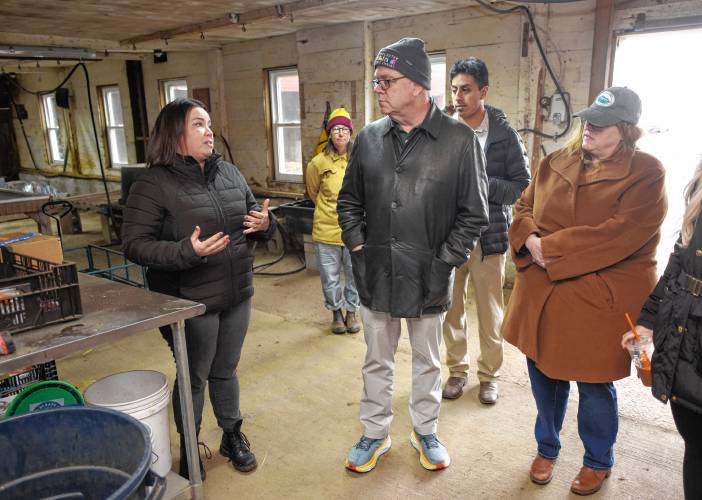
column 611, row 106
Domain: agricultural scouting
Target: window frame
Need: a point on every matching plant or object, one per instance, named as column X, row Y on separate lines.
column 163, row 86
column 433, row 57
column 274, row 125
column 106, row 125
column 60, row 124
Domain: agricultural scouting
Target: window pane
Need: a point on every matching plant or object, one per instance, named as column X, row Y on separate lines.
column 289, row 151
column 50, row 111
column 175, row 89
column 438, row 79
column 288, row 87
column 54, row 144
column 118, row 146
column 113, row 106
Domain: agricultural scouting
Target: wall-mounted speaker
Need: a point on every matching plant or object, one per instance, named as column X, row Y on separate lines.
column 62, row 97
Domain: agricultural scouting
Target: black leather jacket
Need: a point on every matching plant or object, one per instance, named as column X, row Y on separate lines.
column 417, row 210
column 675, row 316
column 507, row 168
column 164, row 206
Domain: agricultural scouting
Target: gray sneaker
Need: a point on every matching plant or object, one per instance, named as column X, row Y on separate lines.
column 433, row 455
column 364, row 455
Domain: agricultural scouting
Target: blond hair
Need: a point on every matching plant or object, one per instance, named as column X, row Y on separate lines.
column 693, row 204
column 630, row 135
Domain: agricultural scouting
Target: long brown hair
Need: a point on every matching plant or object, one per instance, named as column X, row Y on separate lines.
column 168, row 130
column 693, row 204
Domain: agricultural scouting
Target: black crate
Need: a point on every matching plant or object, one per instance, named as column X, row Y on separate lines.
column 13, row 383
column 35, row 293
column 298, row 216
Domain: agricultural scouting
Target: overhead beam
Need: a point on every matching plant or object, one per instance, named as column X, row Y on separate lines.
column 278, row 11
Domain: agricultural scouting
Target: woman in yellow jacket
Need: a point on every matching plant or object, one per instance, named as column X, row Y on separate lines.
column 325, row 173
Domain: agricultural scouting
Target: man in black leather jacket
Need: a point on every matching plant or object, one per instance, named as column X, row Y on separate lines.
column 507, row 168
column 412, row 204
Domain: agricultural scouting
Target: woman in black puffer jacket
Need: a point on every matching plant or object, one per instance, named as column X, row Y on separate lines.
column 673, row 315
column 193, row 221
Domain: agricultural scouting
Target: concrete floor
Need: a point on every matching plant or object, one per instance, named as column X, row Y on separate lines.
column 300, row 393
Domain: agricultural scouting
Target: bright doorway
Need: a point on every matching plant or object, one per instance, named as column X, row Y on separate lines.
column 663, row 68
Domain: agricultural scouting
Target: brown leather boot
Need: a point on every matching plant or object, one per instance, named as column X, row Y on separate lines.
column 352, row 323
column 589, row 481
column 337, row 324
column 541, row 471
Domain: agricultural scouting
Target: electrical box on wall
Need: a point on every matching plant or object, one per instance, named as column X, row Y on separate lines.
column 557, row 114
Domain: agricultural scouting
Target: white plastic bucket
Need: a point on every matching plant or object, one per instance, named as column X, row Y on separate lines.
column 144, row 395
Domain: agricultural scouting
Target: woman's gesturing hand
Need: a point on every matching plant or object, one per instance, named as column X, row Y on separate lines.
column 257, row 221
column 213, row 244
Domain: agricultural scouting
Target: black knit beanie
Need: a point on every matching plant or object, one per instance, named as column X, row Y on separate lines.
column 408, row 57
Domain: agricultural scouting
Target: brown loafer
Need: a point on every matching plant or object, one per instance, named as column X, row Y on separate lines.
column 589, row 481
column 488, row 393
column 541, row 471
column 453, row 388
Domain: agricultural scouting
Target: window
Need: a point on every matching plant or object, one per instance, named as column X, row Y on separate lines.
column 53, row 128
column 438, row 79
column 114, row 125
column 173, row 89
column 285, row 120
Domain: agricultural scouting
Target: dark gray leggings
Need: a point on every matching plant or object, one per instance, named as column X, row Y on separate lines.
column 214, row 341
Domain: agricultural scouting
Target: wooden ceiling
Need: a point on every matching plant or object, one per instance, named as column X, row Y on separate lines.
column 112, row 24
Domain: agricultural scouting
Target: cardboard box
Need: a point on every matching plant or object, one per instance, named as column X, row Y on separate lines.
column 39, row 246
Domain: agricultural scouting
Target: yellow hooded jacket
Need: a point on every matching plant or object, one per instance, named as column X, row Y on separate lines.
column 325, row 173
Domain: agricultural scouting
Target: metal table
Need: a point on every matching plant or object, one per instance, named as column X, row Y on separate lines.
column 17, row 202
column 112, row 311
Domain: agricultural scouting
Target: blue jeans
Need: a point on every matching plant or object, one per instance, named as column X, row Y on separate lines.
column 331, row 260
column 598, row 421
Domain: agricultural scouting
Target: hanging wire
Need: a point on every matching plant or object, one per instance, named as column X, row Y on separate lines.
column 92, row 119
column 534, row 31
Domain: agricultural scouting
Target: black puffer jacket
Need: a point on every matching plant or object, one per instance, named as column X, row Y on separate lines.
column 675, row 316
column 507, row 168
column 417, row 209
column 164, row 206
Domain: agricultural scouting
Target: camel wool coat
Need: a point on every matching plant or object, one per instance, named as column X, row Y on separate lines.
column 600, row 226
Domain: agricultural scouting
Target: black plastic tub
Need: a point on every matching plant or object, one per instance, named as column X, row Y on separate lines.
column 298, row 215
column 76, row 453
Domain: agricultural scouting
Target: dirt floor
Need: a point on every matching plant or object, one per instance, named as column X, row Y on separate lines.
column 300, row 392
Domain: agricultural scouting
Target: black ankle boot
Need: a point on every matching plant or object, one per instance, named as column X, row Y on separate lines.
column 236, row 447
column 183, row 470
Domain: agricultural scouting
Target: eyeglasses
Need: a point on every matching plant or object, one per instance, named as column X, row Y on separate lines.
column 341, row 130
column 384, row 83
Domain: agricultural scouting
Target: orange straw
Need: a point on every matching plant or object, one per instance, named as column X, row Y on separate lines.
column 645, row 363
column 631, row 324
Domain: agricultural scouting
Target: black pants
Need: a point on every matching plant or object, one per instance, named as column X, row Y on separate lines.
column 689, row 424
column 214, row 342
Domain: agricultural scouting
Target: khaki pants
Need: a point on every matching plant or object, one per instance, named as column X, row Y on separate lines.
column 487, row 276
column 382, row 333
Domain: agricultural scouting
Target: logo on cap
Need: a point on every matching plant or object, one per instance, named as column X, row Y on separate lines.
column 605, row 99
column 385, row 59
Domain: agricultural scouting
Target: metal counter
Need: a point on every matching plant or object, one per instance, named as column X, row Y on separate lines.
column 112, row 311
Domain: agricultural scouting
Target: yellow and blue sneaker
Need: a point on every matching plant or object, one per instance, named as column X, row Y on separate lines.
column 364, row 455
column 433, row 455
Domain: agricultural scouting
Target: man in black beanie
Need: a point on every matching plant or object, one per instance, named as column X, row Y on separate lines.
column 412, row 204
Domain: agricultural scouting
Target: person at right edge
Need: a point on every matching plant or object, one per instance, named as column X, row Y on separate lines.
column 584, row 242
column 507, row 169
column 412, row 205
column 673, row 316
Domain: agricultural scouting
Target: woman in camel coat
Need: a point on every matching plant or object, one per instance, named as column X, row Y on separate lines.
column 584, row 239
